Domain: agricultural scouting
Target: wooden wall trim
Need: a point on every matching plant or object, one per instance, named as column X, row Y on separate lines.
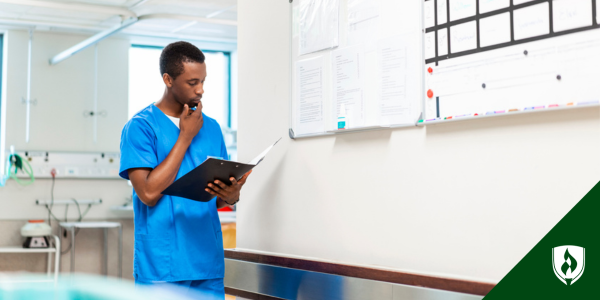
column 440, row 283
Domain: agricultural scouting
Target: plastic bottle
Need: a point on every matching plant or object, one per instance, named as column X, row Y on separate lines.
column 341, row 120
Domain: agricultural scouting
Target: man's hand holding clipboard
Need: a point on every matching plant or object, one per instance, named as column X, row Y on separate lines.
column 230, row 194
column 215, row 177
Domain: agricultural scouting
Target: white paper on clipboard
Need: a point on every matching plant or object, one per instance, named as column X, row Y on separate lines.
column 261, row 156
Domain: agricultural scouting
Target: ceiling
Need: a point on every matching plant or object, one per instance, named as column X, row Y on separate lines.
column 212, row 20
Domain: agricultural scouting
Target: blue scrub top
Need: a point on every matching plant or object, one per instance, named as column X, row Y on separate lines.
column 177, row 239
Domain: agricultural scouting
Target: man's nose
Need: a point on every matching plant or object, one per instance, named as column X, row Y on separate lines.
column 200, row 90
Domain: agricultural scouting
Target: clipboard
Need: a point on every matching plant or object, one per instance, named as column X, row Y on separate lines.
column 192, row 184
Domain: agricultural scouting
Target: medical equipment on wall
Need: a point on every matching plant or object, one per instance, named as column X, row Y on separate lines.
column 14, row 164
column 35, row 233
column 84, row 165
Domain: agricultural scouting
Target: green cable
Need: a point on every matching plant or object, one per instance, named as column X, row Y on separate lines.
column 18, row 164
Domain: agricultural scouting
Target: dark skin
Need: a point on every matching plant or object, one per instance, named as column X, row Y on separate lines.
column 181, row 94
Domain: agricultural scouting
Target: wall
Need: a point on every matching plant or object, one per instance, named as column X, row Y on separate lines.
column 63, row 93
column 464, row 200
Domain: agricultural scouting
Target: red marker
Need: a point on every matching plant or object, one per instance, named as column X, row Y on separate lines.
column 430, row 93
column 430, row 70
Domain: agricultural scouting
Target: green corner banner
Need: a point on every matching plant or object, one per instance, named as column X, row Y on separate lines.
column 565, row 264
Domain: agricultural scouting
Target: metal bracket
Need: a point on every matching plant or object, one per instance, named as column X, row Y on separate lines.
column 421, row 117
column 291, row 132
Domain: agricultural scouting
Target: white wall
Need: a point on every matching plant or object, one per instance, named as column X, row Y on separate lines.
column 465, row 200
column 63, row 93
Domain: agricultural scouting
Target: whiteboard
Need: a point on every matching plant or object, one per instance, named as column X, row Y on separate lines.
column 385, row 38
column 499, row 57
column 433, row 200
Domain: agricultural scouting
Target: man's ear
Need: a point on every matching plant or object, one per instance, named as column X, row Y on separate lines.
column 167, row 80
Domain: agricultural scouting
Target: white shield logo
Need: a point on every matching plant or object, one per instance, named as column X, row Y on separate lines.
column 568, row 263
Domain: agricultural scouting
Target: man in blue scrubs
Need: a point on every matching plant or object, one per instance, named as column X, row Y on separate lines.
column 177, row 240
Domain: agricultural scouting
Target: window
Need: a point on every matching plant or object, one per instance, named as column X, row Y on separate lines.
column 2, row 113
column 146, row 85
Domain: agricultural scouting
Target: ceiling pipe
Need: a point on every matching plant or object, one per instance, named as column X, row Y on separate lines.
column 110, row 10
column 187, row 25
column 188, row 18
column 106, row 33
column 129, row 17
column 91, row 41
column 218, row 12
column 140, row 3
column 178, row 37
column 43, row 24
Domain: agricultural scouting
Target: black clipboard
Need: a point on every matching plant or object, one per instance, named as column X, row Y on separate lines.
column 193, row 184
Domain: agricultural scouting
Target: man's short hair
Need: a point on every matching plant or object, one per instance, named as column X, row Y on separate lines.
column 175, row 54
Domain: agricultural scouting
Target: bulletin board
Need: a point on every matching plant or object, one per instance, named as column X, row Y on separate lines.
column 499, row 57
column 365, row 56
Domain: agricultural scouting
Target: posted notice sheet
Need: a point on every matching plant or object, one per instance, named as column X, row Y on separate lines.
column 319, row 25
column 348, row 73
column 393, row 107
column 363, row 21
column 309, row 111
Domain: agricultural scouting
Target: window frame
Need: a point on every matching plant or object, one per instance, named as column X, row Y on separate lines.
column 2, row 105
column 228, row 83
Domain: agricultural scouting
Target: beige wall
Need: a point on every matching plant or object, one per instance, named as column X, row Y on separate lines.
column 464, row 200
column 63, row 93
